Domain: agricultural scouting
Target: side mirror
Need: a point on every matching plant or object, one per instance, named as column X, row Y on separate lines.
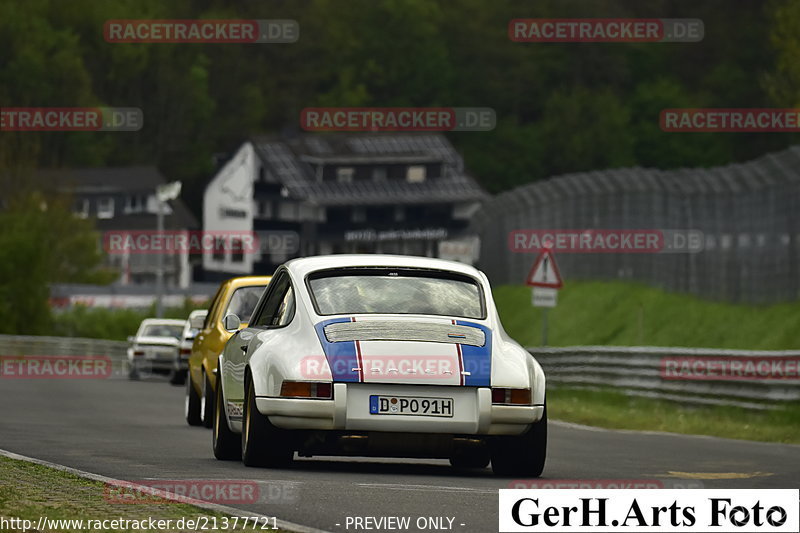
column 231, row 322
column 196, row 322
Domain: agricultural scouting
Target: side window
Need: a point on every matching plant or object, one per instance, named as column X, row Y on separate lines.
column 286, row 309
column 275, row 305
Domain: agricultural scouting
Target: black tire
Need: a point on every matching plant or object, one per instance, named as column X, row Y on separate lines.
column 522, row 455
column 262, row 443
column 192, row 405
column 207, row 403
column 227, row 445
column 177, row 377
column 476, row 457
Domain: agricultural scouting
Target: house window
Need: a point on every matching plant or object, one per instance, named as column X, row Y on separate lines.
column 288, row 211
column 135, row 203
column 237, row 253
column 105, row 207
column 265, row 209
column 82, row 208
column 218, row 253
column 379, row 174
column 415, row 174
column 358, row 215
column 345, row 174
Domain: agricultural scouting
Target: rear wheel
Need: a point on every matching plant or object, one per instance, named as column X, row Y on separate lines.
column 192, row 403
column 522, row 455
column 177, row 377
column 227, row 444
column 207, row 403
column 133, row 370
column 262, row 443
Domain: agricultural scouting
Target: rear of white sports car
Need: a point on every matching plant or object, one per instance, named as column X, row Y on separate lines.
column 403, row 362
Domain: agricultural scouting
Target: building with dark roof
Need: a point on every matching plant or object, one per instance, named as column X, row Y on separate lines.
column 341, row 193
column 122, row 199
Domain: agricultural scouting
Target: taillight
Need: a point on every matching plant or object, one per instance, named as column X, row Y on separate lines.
column 306, row 389
column 511, row 396
column 138, row 352
column 186, row 351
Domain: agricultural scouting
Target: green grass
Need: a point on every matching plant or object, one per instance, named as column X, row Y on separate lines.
column 628, row 314
column 614, row 410
column 30, row 491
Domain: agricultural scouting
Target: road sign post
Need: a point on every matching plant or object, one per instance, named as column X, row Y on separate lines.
column 546, row 280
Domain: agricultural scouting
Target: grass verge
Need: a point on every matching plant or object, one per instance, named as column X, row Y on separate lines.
column 614, row 410
column 29, row 491
column 630, row 314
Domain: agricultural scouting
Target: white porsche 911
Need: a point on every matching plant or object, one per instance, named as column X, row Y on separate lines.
column 379, row 355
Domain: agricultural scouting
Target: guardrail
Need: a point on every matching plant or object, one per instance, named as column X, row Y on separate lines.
column 641, row 371
column 28, row 345
column 633, row 370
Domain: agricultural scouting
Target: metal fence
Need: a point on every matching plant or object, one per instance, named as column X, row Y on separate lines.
column 24, row 345
column 640, row 371
column 749, row 215
column 634, row 371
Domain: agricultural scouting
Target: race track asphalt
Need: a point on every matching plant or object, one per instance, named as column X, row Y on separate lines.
column 135, row 431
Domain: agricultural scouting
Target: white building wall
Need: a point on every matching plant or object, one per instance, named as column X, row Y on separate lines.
column 231, row 189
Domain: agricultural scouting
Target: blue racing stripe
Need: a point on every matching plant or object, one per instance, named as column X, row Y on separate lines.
column 341, row 356
column 477, row 359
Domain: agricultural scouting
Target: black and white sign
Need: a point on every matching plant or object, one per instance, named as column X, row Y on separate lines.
column 638, row 511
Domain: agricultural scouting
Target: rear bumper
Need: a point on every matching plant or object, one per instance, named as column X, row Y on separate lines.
column 473, row 414
column 160, row 361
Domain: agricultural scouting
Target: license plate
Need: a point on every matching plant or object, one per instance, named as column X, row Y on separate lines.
column 157, row 354
column 410, row 405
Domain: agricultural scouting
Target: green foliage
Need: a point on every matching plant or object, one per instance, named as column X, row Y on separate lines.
column 41, row 242
column 628, row 314
column 561, row 107
column 114, row 324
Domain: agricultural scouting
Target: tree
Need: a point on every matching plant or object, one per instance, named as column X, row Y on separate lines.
column 41, row 242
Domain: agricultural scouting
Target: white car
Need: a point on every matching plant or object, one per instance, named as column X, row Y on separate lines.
column 180, row 363
column 379, row 355
column 153, row 347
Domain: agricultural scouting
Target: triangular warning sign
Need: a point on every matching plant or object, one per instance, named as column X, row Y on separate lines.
column 545, row 272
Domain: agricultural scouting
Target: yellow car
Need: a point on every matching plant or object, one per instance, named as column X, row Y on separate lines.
column 238, row 296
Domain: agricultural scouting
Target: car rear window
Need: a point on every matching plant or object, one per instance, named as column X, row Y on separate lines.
column 162, row 330
column 396, row 291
